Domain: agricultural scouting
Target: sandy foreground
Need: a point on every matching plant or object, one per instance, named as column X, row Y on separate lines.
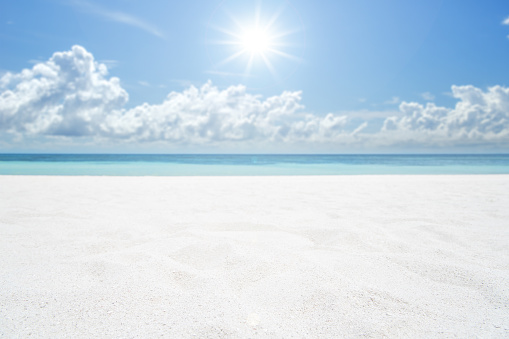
column 316, row 256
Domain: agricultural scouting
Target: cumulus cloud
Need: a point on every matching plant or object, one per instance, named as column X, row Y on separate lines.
column 71, row 96
column 209, row 115
column 506, row 21
column 478, row 117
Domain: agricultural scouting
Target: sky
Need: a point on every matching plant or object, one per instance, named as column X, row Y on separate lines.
column 254, row 76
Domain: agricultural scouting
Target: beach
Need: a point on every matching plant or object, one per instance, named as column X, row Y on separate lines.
column 274, row 256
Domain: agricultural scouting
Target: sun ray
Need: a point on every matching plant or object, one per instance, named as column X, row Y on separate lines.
column 285, row 55
column 274, row 17
column 224, row 42
column 286, row 33
column 225, row 31
column 249, row 64
column 257, row 14
column 285, row 44
column 234, row 20
column 269, row 66
column 231, row 58
column 260, row 40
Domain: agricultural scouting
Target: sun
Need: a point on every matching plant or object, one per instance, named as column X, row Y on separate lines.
column 256, row 41
column 251, row 42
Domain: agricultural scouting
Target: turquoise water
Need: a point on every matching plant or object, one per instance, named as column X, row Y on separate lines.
column 219, row 165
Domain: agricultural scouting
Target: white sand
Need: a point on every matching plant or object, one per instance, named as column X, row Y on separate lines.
column 398, row 256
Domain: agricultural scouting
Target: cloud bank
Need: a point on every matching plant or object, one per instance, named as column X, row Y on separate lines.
column 70, row 96
column 479, row 117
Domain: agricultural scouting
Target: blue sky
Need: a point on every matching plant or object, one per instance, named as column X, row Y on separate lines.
column 341, row 76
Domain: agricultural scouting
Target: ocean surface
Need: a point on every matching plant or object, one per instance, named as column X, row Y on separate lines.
column 224, row 165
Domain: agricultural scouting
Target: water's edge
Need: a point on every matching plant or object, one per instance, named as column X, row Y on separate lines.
column 247, row 165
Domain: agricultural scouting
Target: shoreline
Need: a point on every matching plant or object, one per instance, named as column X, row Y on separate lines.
column 250, row 176
column 255, row 256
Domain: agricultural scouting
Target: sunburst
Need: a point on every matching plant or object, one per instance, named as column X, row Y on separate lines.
column 256, row 40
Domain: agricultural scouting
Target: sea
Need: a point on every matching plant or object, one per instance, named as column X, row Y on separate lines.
column 250, row 164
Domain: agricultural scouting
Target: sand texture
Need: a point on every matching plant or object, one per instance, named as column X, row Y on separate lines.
column 282, row 257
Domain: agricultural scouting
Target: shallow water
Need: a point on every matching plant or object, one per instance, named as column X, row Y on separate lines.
column 235, row 165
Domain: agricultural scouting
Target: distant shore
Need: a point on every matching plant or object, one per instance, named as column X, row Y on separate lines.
column 261, row 256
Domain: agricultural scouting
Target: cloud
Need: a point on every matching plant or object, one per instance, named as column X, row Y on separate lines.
column 479, row 117
column 506, row 21
column 109, row 63
column 35, row 61
column 393, row 101
column 70, row 96
column 366, row 114
column 428, row 96
column 207, row 115
column 116, row 16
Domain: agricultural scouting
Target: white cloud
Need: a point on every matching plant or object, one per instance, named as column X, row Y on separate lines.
column 109, row 63
column 393, row 101
column 67, row 95
column 117, row 16
column 506, row 21
column 479, row 117
column 208, row 115
column 428, row 96
column 366, row 114
column 71, row 96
